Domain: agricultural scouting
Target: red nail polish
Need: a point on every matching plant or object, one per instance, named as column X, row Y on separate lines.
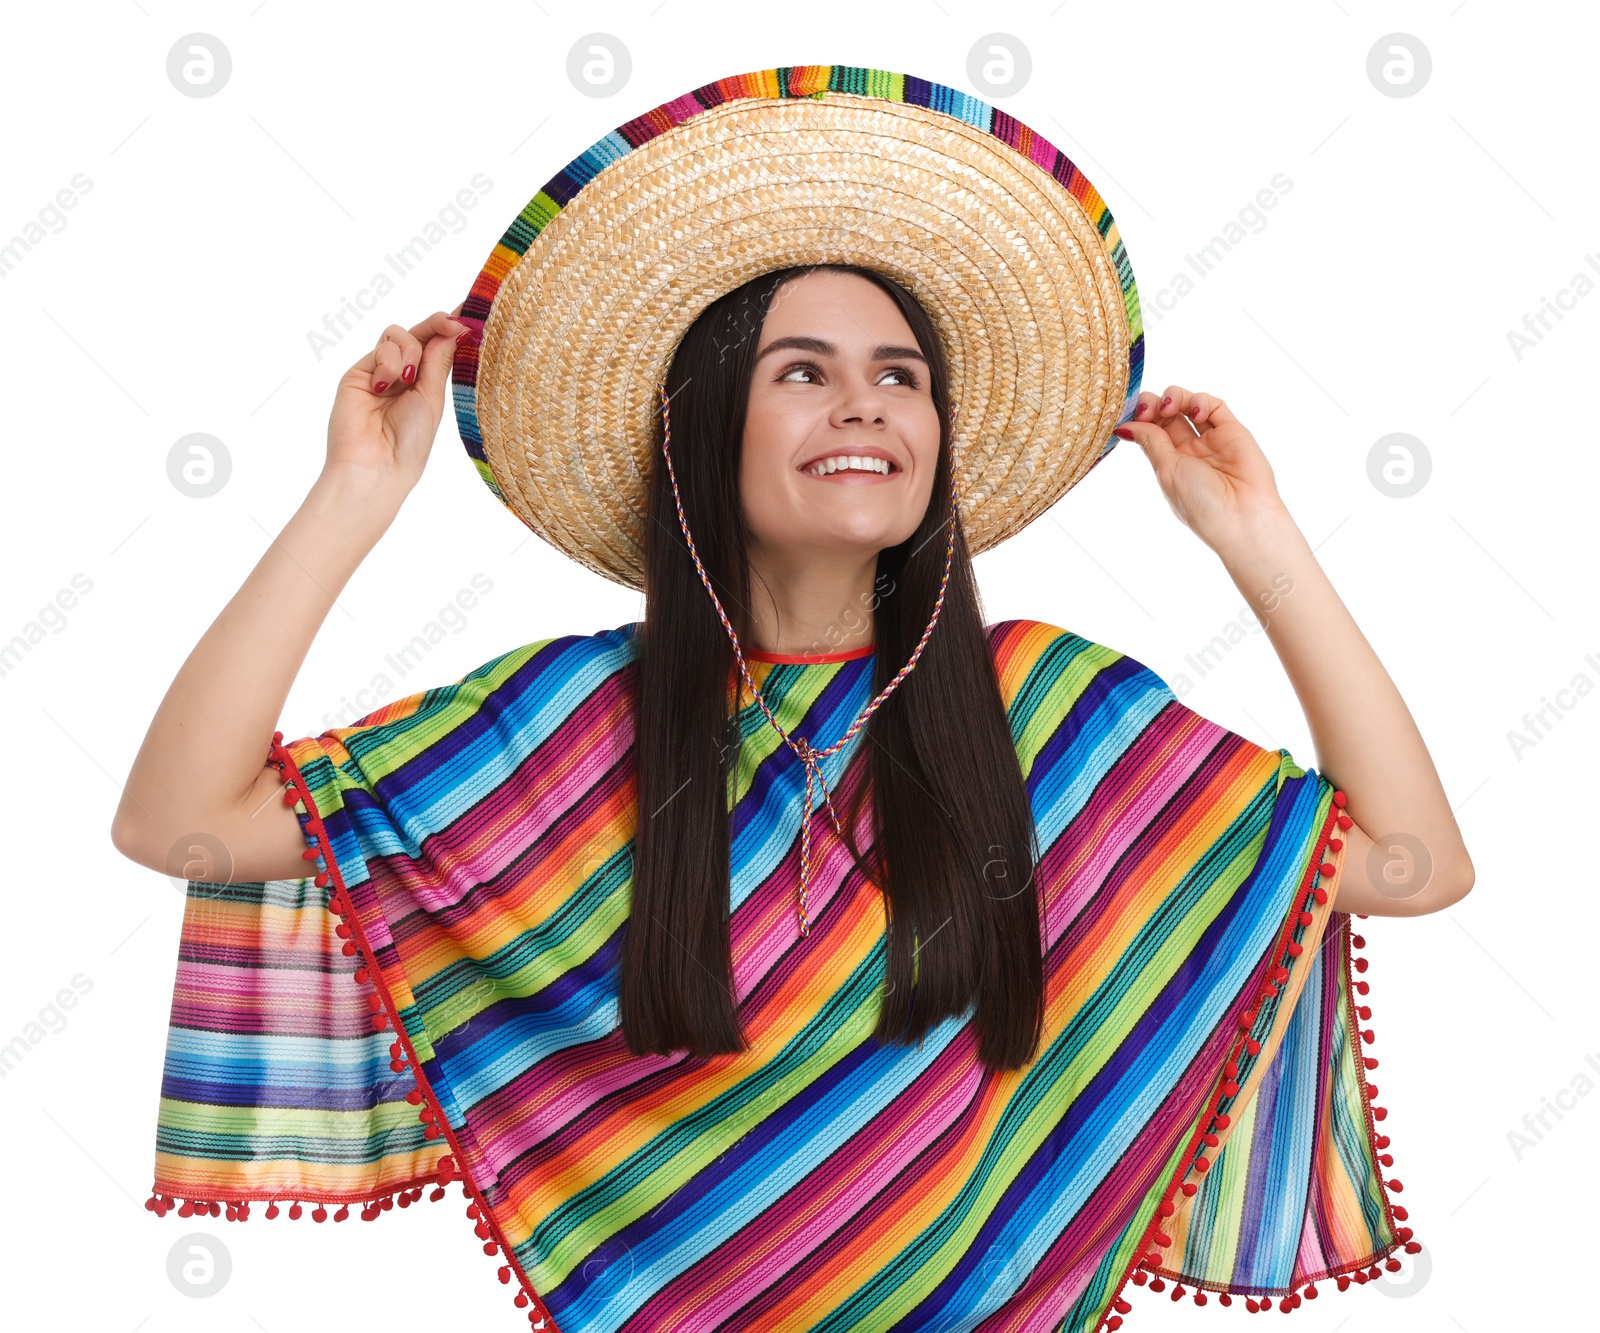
column 380, row 386
column 1123, row 433
column 408, row 374
column 1167, row 401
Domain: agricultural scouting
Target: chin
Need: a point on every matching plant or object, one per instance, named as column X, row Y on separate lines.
column 844, row 525
column 864, row 536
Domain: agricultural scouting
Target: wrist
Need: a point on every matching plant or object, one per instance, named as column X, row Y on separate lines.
column 1263, row 548
column 348, row 488
column 356, row 498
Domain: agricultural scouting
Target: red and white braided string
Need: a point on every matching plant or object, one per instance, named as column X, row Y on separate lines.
column 809, row 757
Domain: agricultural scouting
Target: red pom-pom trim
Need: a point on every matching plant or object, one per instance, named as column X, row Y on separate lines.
column 1228, row 1086
column 383, row 1013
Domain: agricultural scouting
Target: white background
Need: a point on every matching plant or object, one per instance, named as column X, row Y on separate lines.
column 177, row 297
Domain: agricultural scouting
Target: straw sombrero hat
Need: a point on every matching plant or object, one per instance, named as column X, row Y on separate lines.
column 576, row 314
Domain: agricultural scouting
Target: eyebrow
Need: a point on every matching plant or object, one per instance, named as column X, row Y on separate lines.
column 822, row 347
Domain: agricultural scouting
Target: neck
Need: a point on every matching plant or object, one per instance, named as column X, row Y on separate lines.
column 807, row 601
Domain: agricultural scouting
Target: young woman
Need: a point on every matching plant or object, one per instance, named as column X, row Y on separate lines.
column 811, row 952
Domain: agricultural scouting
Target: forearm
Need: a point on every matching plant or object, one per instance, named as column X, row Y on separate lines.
column 1366, row 740
column 206, row 744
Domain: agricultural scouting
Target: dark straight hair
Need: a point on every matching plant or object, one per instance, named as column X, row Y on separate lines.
column 954, row 846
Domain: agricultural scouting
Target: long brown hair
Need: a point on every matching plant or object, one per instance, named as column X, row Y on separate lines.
column 954, row 846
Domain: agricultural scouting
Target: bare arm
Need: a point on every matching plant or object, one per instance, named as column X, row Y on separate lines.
column 1405, row 855
column 200, row 783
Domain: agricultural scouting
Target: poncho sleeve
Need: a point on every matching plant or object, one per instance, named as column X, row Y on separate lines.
column 286, row 1079
column 1228, row 854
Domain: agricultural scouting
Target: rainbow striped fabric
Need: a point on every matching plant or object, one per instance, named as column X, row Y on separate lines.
column 437, row 1004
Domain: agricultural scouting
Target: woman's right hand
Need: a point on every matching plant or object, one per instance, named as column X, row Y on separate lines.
column 382, row 425
column 199, row 778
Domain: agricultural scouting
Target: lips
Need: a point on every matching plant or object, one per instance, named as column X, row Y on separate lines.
column 871, row 451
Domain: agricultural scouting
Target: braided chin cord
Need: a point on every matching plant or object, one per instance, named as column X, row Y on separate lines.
column 809, row 757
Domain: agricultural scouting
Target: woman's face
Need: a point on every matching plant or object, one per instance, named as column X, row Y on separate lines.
column 838, row 376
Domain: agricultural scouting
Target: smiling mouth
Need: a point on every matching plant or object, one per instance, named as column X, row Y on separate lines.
column 850, row 465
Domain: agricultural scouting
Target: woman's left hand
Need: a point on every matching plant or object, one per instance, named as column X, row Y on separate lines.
column 1210, row 467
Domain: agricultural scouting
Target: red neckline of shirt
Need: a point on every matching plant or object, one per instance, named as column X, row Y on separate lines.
column 802, row 659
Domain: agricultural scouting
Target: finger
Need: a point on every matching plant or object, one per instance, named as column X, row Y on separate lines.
column 1170, row 413
column 1145, row 408
column 438, row 325
column 438, row 355
column 441, row 335
column 1153, row 439
column 1212, row 412
column 385, row 368
column 1172, row 403
column 409, row 350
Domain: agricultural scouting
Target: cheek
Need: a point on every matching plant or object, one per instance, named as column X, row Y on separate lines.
column 763, row 488
column 926, row 449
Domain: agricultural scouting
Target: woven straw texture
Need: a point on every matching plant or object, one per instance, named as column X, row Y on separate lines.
column 1009, row 249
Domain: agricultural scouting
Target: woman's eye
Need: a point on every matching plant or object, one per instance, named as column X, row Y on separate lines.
column 907, row 376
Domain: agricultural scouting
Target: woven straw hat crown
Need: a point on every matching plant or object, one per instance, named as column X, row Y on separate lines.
column 574, row 318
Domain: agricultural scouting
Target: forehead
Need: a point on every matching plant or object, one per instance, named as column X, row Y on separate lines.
column 843, row 306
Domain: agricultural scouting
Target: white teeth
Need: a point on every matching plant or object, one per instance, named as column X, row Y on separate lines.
column 852, row 462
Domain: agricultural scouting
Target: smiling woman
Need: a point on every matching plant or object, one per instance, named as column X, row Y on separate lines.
column 811, row 954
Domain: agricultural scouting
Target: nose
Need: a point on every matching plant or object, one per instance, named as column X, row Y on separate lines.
column 859, row 403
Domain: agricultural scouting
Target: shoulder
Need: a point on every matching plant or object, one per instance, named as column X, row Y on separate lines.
column 576, row 654
column 1057, row 683
column 554, row 675
column 552, row 668
column 535, row 684
column 1040, row 665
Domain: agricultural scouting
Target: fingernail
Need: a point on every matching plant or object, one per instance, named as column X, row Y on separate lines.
column 1139, row 411
column 1167, row 401
column 380, row 386
column 1123, row 433
column 408, row 374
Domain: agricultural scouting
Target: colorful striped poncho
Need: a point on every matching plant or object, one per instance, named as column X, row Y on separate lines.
column 437, row 1005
